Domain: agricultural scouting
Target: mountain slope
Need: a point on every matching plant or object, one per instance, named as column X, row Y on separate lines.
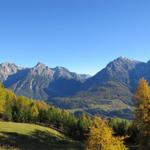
column 117, row 70
column 42, row 82
column 7, row 69
column 115, row 83
column 109, row 90
column 113, row 99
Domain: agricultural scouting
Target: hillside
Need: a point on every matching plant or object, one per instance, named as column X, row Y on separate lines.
column 109, row 92
column 21, row 136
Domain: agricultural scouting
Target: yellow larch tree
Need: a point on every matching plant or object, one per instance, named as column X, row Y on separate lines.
column 142, row 115
column 101, row 137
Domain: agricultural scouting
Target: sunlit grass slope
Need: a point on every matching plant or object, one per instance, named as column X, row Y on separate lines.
column 21, row 136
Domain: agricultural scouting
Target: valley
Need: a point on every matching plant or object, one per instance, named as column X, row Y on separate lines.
column 108, row 93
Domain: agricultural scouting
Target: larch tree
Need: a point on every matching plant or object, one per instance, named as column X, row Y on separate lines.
column 101, row 137
column 2, row 99
column 142, row 120
column 143, row 91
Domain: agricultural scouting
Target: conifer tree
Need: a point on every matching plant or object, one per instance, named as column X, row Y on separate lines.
column 101, row 137
column 2, row 100
column 142, row 121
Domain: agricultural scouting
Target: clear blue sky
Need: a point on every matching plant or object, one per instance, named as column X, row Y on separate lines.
column 81, row 35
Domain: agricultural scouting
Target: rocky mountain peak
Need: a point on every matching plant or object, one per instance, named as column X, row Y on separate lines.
column 11, row 65
column 61, row 72
column 40, row 65
column 60, row 69
column 7, row 69
column 41, row 69
column 117, row 70
column 121, row 65
column 121, row 61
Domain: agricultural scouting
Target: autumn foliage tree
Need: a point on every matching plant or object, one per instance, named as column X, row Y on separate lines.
column 142, row 121
column 23, row 109
column 101, row 137
column 143, row 91
column 2, row 99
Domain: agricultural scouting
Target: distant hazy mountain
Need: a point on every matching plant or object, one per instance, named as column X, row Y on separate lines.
column 107, row 92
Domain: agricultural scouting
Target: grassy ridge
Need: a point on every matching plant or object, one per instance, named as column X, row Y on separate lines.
column 21, row 136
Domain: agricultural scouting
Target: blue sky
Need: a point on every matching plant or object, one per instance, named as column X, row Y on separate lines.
column 81, row 35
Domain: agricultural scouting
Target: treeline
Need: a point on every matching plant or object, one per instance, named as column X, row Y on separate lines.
column 99, row 133
column 124, row 128
column 135, row 133
column 22, row 109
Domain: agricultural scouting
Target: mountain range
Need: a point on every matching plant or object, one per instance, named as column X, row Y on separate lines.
column 109, row 92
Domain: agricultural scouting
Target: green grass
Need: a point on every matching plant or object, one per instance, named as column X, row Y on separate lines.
column 22, row 136
column 114, row 105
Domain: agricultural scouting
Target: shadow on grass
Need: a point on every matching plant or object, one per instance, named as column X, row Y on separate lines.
column 38, row 140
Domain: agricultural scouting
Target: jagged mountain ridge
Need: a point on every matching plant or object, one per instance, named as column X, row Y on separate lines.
column 114, row 85
column 42, row 82
column 117, row 80
column 109, row 92
column 119, row 69
column 7, row 69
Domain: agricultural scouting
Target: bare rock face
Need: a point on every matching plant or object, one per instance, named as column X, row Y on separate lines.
column 118, row 70
column 42, row 70
column 42, row 82
column 7, row 69
column 115, row 83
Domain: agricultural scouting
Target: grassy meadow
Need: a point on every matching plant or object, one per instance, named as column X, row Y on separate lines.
column 22, row 136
